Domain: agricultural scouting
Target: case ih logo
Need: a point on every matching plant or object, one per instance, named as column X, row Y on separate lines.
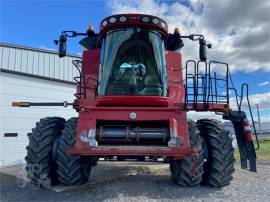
column 132, row 115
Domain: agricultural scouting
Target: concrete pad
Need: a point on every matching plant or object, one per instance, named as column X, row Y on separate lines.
column 13, row 170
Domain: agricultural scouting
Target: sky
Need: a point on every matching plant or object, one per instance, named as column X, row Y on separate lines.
column 238, row 30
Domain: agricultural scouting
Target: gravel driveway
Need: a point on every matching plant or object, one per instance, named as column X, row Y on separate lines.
column 146, row 182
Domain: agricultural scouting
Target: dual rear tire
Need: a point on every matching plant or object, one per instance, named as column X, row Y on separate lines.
column 188, row 171
column 72, row 169
column 214, row 164
column 48, row 159
column 47, row 154
column 219, row 153
column 40, row 165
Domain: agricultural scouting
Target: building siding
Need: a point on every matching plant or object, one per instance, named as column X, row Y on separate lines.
column 21, row 120
column 34, row 75
column 37, row 62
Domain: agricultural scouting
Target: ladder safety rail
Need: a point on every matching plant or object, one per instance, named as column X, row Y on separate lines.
column 226, row 76
column 79, row 79
column 206, row 90
column 193, row 81
column 203, row 85
column 203, row 77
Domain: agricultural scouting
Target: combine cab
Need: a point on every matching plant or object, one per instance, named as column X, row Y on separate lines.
column 132, row 100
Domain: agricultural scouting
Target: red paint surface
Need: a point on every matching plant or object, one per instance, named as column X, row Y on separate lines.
column 155, row 109
column 249, row 137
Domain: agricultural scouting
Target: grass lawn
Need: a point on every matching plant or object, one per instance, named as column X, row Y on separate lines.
column 263, row 152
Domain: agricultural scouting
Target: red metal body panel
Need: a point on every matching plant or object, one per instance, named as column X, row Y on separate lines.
column 101, row 151
column 209, row 107
column 177, row 121
column 155, row 109
column 152, row 101
column 93, row 109
column 174, row 68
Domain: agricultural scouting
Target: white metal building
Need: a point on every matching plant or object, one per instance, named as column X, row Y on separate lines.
column 35, row 75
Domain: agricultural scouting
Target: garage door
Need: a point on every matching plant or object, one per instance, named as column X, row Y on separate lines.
column 15, row 123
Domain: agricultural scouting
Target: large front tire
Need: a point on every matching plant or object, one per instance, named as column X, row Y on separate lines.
column 219, row 165
column 40, row 165
column 188, row 172
column 72, row 169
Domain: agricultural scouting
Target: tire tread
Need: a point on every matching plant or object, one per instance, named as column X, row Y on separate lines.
column 220, row 165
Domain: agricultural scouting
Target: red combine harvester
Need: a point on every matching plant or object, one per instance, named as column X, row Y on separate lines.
column 133, row 95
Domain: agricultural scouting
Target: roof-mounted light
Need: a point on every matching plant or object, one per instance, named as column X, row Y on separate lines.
column 155, row 21
column 126, row 20
column 104, row 23
column 163, row 25
column 123, row 19
column 90, row 28
column 176, row 30
column 145, row 19
column 112, row 20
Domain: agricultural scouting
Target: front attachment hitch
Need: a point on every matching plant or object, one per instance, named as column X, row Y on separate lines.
column 244, row 139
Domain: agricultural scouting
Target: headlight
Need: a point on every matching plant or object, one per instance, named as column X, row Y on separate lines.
column 163, row 25
column 155, row 21
column 104, row 23
column 112, row 20
column 123, row 19
column 145, row 19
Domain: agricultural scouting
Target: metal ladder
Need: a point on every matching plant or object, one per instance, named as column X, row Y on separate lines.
column 203, row 84
column 79, row 80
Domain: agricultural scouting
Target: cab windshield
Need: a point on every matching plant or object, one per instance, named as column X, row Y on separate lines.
column 132, row 63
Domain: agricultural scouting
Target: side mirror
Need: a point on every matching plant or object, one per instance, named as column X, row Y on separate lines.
column 202, row 51
column 62, row 46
